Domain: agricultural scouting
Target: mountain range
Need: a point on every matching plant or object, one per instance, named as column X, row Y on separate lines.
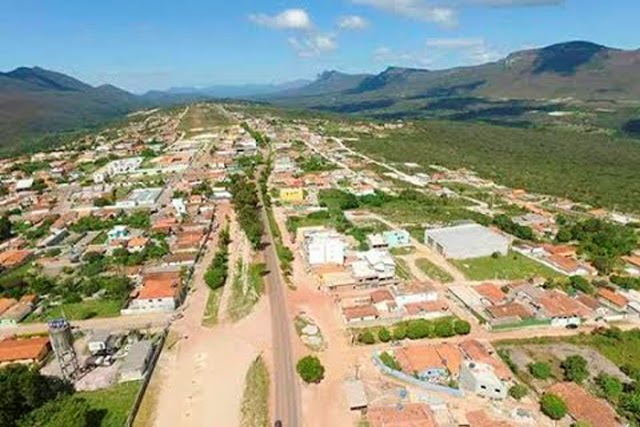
column 35, row 101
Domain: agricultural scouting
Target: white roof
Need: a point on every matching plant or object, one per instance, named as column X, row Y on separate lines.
column 460, row 237
column 356, row 395
column 23, row 184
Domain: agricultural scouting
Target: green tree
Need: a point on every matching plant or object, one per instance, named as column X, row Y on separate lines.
column 575, row 368
column 5, row 228
column 390, row 361
column 367, row 337
column 443, row 328
column 462, row 327
column 540, row 370
column 581, row 284
column 23, row 389
column 384, row 335
column 63, row 412
column 310, row 369
column 399, row 332
column 518, row 391
column 553, row 406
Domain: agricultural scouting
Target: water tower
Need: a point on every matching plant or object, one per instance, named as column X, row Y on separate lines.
column 61, row 339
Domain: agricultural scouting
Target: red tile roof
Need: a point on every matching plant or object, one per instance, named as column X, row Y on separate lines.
column 360, row 312
column 419, row 358
column 160, row 285
column 512, row 309
column 15, row 350
column 409, row 415
column 558, row 304
column 585, row 407
column 480, row 418
column 381, row 295
column 613, row 297
column 474, row 350
column 491, row 292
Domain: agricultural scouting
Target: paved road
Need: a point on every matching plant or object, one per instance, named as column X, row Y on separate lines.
column 287, row 398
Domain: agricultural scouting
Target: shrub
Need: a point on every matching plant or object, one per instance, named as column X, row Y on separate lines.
column 384, row 335
column 443, row 328
column 367, row 337
column 540, row 370
column 518, row 391
column 609, row 387
column 390, row 361
column 575, row 369
column 462, row 327
column 310, row 369
column 400, row 332
column 418, row 329
column 553, row 406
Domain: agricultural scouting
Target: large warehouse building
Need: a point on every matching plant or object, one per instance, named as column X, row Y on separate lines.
column 467, row 241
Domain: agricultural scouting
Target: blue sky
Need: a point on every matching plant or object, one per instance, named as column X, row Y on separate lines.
column 143, row 44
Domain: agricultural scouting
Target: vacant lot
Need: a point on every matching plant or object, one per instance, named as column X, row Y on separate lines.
column 201, row 118
column 210, row 317
column 433, row 271
column 79, row 311
column 510, row 267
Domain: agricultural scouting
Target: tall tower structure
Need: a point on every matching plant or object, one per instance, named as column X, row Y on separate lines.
column 61, row 339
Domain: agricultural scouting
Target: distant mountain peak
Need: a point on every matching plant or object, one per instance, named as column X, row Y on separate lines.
column 47, row 79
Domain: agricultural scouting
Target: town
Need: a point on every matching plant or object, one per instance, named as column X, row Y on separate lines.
column 231, row 262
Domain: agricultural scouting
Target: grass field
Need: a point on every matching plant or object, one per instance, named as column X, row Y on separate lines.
column 510, row 267
column 254, row 411
column 114, row 402
column 418, row 212
column 203, row 117
column 79, row 311
column 433, row 271
column 210, row 317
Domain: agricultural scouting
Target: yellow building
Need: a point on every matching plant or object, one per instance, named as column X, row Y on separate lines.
column 292, row 195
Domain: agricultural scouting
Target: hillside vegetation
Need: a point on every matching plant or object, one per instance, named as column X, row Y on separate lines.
column 596, row 169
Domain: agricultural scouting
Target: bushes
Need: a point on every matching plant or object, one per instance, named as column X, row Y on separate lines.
column 540, row 370
column 415, row 330
column 575, row 369
column 518, row 391
column 310, row 369
column 553, row 406
column 216, row 275
column 390, row 361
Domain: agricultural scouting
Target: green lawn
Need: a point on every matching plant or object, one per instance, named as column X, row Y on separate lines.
column 510, row 267
column 433, row 271
column 79, row 311
column 254, row 411
column 210, row 317
column 114, row 403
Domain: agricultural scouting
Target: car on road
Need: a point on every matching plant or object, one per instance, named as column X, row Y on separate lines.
column 572, row 326
column 277, row 424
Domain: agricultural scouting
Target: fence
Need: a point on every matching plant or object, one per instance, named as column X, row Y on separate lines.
column 414, row 381
column 147, row 378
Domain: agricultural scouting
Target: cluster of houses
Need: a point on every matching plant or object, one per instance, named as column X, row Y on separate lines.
column 524, row 303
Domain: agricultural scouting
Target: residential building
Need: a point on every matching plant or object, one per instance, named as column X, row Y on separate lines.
column 159, row 292
column 397, row 238
column 430, row 362
column 27, row 350
column 324, row 247
column 406, row 415
column 119, row 233
column 376, row 241
column 467, row 241
column 292, row 195
column 374, row 268
column 134, row 366
column 480, row 379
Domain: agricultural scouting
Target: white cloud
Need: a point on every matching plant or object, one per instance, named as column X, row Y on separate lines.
column 352, row 22
column 475, row 49
column 290, row 19
column 388, row 56
column 311, row 45
column 415, row 9
column 507, row 3
column 455, row 43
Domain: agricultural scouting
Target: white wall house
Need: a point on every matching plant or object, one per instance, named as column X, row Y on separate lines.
column 324, row 247
column 479, row 378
